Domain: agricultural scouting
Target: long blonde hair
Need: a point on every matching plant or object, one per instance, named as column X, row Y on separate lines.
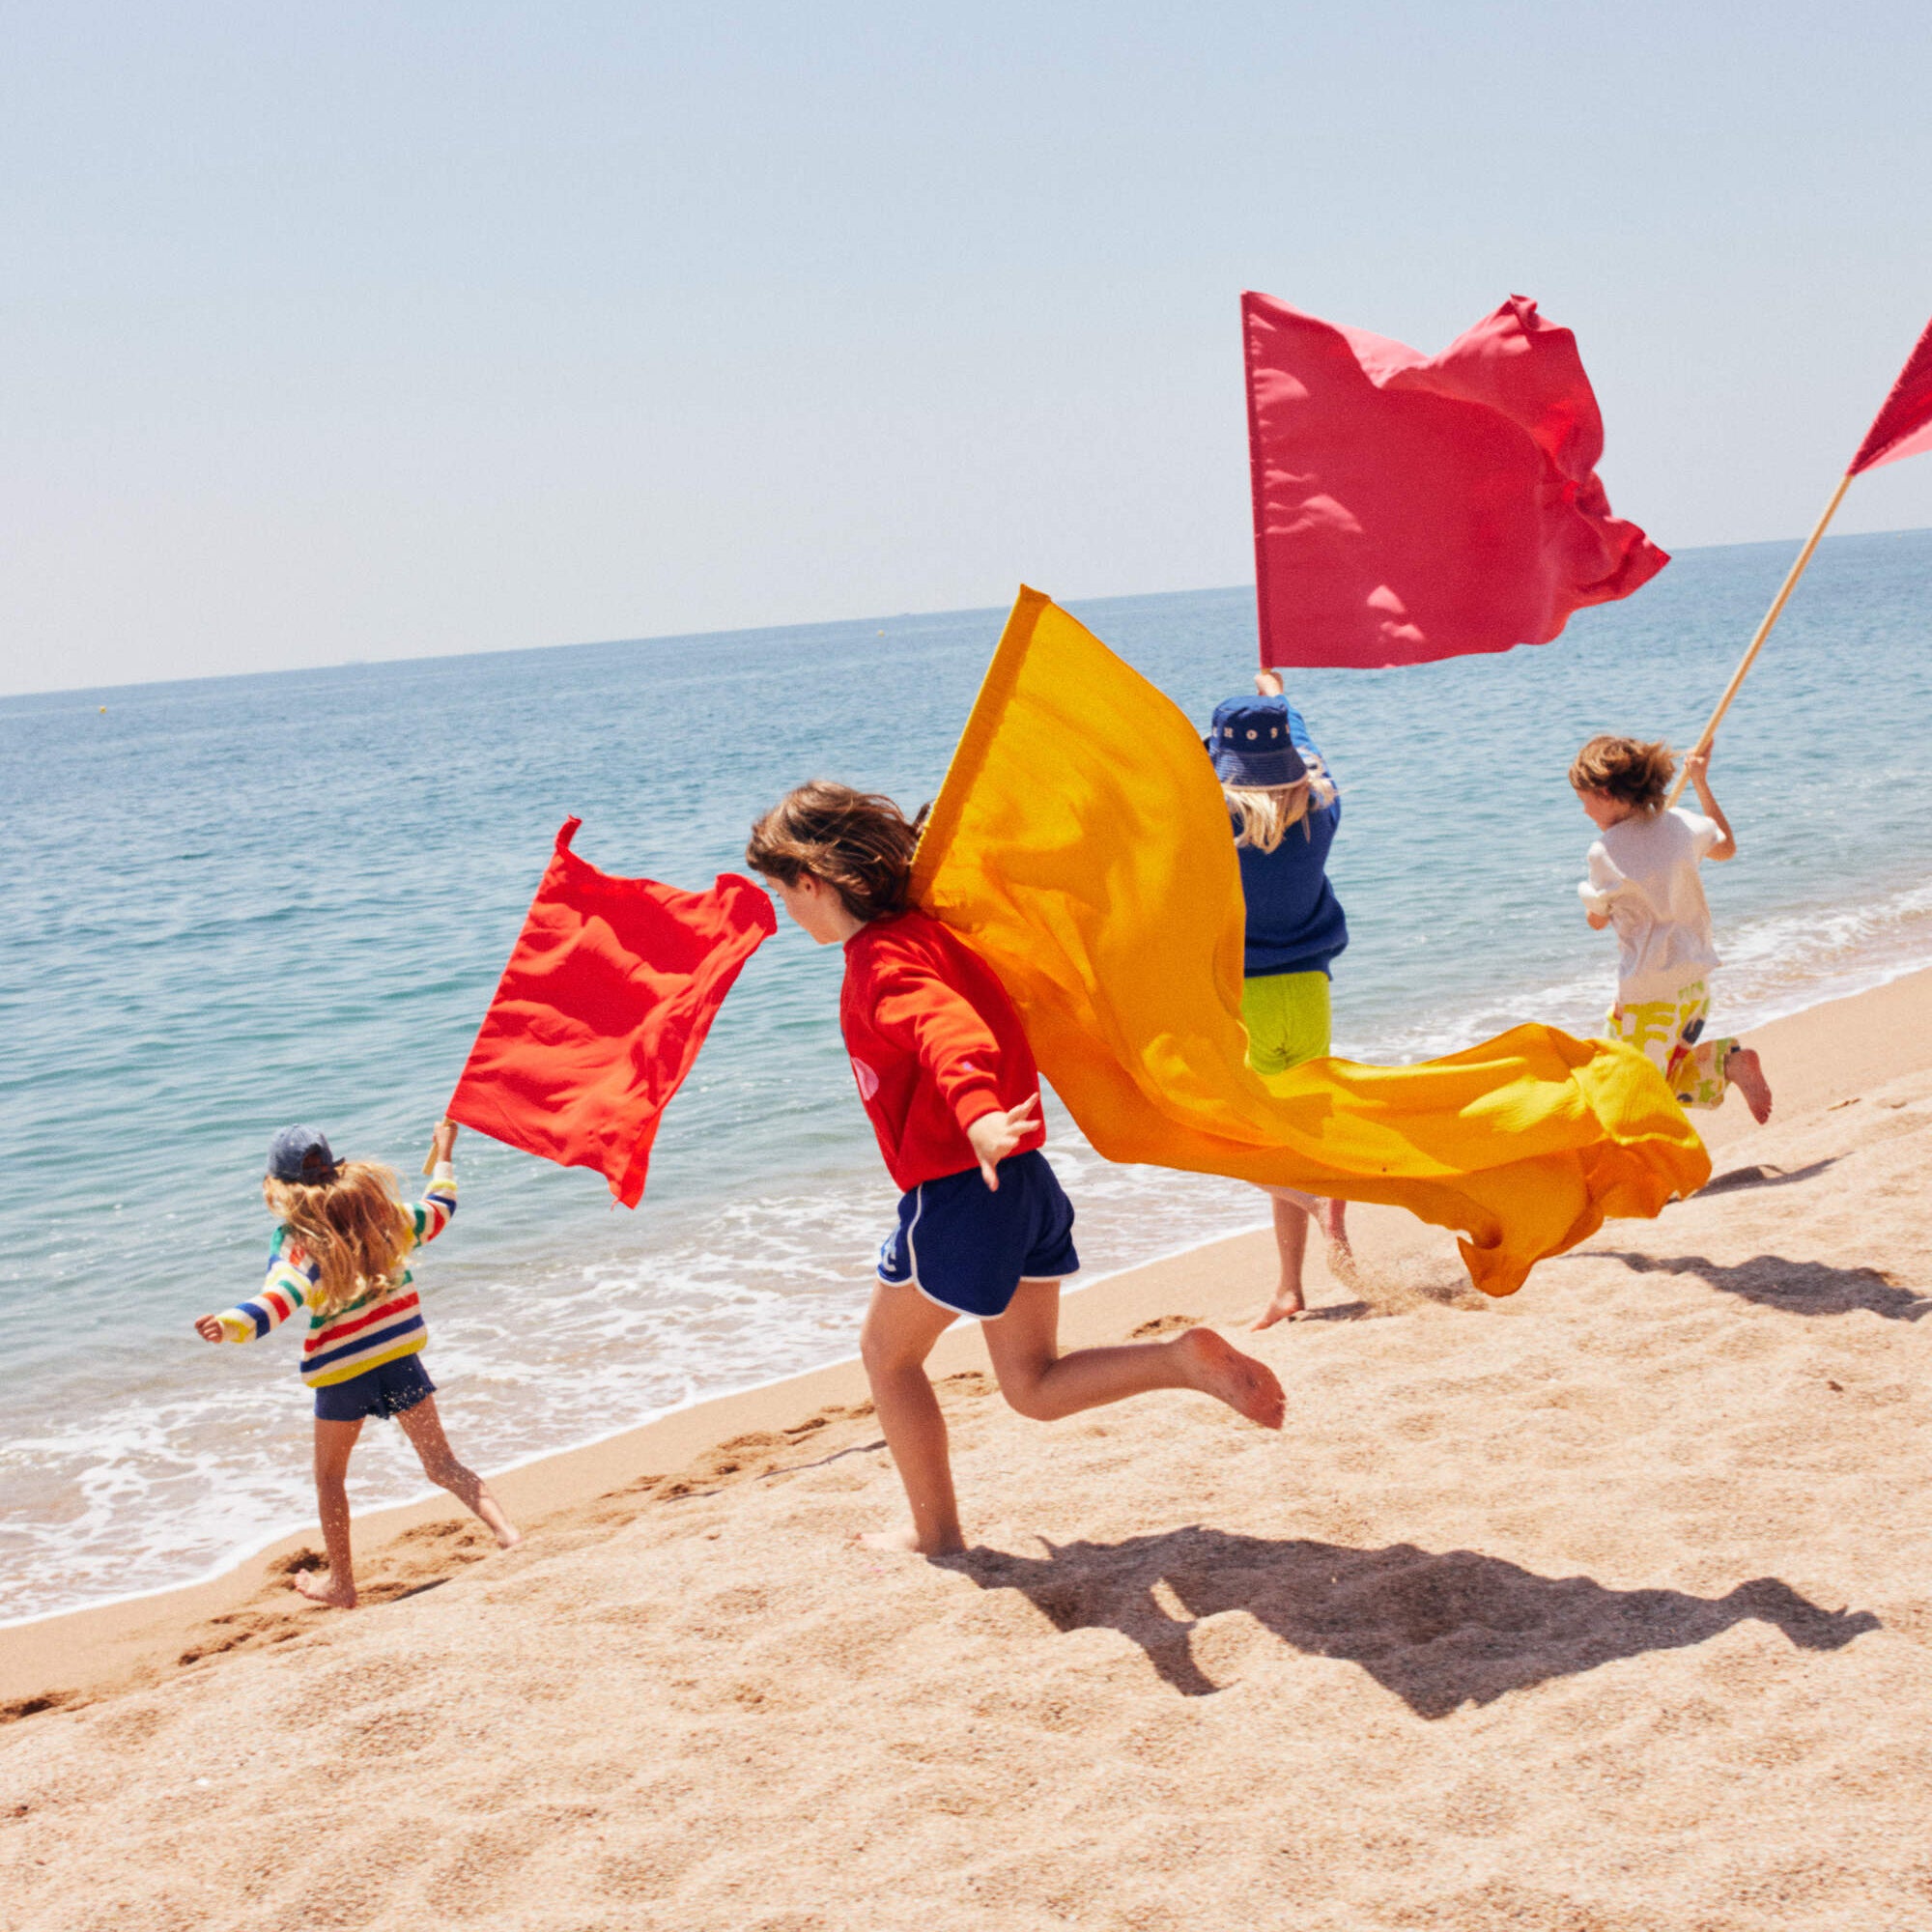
column 354, row 1229
column 1263, row 813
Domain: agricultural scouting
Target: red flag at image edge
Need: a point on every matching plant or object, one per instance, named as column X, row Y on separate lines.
column 1410, row 507
column 1904, row 426
column 609, row 992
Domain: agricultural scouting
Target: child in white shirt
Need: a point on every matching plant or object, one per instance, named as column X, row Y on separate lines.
column 1643, row 881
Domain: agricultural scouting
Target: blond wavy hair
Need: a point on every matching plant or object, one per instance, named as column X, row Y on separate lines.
column 1263, row 814
column 354, row 1229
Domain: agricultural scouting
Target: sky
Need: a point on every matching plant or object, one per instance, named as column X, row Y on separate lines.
column 373, row 331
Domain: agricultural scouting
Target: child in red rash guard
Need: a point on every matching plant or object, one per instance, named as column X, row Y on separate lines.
column 950, row 1087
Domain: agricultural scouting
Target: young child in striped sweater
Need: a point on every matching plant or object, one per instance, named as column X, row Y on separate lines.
column 340, row 1253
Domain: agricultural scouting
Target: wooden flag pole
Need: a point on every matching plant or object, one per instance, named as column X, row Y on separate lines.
column 1771, row 617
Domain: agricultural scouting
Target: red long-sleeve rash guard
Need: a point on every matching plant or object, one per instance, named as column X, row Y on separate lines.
column 934, row 1041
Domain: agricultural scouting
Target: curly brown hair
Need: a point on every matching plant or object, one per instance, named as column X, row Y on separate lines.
column 858, row 842
column 1637, row 774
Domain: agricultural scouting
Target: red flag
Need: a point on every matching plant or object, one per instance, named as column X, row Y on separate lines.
column 1412, row 507
column 1904, row 426
column 607, row 996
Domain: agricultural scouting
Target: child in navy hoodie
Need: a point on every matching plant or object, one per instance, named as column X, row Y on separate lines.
column 948, row 1081
column 1284, row 807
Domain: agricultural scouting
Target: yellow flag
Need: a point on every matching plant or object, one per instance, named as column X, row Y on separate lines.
column 1081, row 845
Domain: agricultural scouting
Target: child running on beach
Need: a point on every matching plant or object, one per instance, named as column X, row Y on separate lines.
column 948, row 1081
column 1285, row 808
column 1643, row 881
column 339, row 1252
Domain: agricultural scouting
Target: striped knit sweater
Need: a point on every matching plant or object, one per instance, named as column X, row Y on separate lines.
column 380, row 1327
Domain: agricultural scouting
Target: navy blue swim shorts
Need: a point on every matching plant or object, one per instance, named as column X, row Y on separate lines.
column 387, row 1390
column 968, row 1248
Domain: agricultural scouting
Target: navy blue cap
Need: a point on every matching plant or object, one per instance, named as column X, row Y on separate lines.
column 1250, row 745
column 301, row 1155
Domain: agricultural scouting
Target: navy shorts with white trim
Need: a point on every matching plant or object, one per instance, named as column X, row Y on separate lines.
column 968, row 1248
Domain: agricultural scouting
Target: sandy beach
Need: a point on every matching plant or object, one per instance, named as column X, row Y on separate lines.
column 1608, row 1605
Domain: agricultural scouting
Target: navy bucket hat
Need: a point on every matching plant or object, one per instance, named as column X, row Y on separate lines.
column 1250, row 745
column 301, row 1155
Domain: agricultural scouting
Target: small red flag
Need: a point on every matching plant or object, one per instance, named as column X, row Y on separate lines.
column 1412, row 507
column 609, row 994
column 1904, row 426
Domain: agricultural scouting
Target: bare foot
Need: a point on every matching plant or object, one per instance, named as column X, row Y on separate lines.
column 1745, row 1072
column 1219, row 1369
column 907, row 1541
column 509, row 1537
column 320, row 1586
column 1286, row 1305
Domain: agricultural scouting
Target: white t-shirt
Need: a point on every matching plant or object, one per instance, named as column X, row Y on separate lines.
column 1643, row 872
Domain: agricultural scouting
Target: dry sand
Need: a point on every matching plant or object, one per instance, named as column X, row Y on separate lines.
column 1607, row 1607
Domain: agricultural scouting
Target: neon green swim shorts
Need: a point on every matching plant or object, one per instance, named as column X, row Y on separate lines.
column 1286, row 1017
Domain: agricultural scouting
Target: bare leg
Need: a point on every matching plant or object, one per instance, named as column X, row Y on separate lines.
column 1335, row 1222
column 1291, row 1241
column 1041, row 1383
column 334, row 1586
column 1744, row 1071
column 900, row 1330
column 424, row 1427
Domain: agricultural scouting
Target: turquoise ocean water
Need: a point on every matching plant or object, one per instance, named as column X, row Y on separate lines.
column 231, row 903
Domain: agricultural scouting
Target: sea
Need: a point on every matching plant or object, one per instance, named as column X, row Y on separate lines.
column 233, row 903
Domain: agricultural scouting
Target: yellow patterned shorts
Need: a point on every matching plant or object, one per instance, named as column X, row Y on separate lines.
column 1670, row 1036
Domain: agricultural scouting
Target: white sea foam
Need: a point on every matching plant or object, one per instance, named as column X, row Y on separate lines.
column 119, row 1493
column 1774, row 965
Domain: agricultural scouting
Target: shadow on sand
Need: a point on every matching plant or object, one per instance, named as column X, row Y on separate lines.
column 1439, row 1630
column 1755, row 1175
column 1799, row 1287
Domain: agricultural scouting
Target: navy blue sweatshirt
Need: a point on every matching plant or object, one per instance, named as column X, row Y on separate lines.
column 1294, row 919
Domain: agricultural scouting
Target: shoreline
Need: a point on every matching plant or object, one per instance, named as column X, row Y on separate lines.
column 1818, row 1057
column 268, row 1540
column 89, row 1530
column 1602, row 1605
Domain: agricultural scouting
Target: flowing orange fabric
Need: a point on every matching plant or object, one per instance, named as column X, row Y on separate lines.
column 1081, row 845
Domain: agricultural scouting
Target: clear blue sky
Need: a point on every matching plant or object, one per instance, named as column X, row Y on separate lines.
column 359, row 331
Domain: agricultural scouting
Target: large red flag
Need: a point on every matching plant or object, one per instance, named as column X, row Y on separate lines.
column 1904, row 426
column 1412, row 507
column 607, row 996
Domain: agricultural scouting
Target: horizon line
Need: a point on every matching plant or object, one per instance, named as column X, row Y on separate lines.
column 780, row 630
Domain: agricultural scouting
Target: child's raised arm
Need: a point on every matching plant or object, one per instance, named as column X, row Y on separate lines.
column 430, row 1216
column 1697, row 768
